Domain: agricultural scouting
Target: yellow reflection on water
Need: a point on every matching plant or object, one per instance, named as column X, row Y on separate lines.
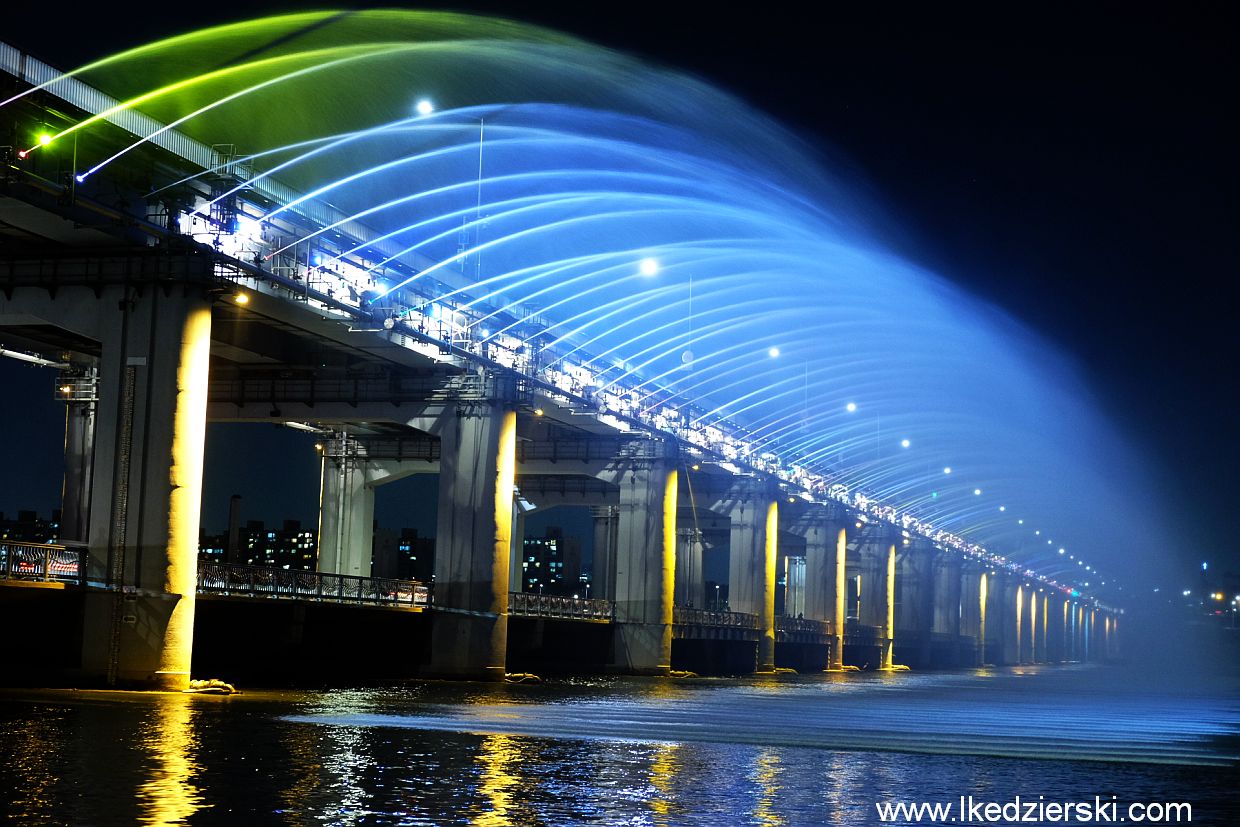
column 170, row 796
column 664, row 767
column 499, row 756
column 766, row 774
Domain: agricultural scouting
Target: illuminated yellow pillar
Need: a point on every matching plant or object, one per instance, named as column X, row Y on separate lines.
column 1020, row 605
column 981, row 633
column 888, row 630
column 1044, row 639
column 753, row 549
column 646, row 567
column 144, row 514
column 469, row 629
column 841, row 599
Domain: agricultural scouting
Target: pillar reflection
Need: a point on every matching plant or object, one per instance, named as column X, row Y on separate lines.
column 500, row 757
column 170, row 795
column 767, row 770
column 664, row 768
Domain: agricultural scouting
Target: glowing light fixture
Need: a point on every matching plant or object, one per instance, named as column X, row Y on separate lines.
column 424, row 107
column 538, row 412
column 977, row 492
column 947, row 470
column 241, row 298
column 904, row 443
column 851, row 407
column 773, row 353
column 649, row 267
column 1061, row 551
column 45, row 139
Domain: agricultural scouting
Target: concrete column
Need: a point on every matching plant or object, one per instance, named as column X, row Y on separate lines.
column 751, row 567
column 826, row 550
column 603, row 567
column 690, row 588
column 144, row 511
column 948, row 589
column 516, row 546
column 646, row 566
column 346, row 514
column 469, row 633
column 998, row 619
column 915, row 608
column 878, row 585
column 79, row 459
column 1031, row 626
column 973, row 609
column 1013, row 609
column 1042, row 652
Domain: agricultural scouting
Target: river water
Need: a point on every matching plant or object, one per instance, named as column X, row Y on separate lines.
column 787, row 750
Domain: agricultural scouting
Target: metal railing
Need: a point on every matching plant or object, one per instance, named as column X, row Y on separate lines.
column 686, row 616
column 523, row 604
column 262, row 581
column 860, row 634
column 41, row 562
column 802, row 625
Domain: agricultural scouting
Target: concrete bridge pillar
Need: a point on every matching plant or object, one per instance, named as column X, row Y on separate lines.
column 948, row 591
column 690, row 587
column 915, row 606
column 347, row 483
column 79, row 460
column 144, row 511
column 469, row 633
column 603, row 567
column 1058, row 643
column 1014, row 617
column 516, row 545
column 999, row 617
column 973, row 610
column 646, row 566
column 878, row 585
column 826, row 550
column 346, row 513
column 751, row 569
column 1041, row 653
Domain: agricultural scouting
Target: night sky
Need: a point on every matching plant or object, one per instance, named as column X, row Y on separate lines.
column 1077, row 168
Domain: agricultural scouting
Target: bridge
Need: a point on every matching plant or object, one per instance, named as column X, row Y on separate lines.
column 166, row 308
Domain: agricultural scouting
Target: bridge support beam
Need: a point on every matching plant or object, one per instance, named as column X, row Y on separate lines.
column 826, row 550
column 469, row 631
column 948, row 585
column 998, row 619
column 915, row 607
column 878, row 589
column 690, row 587
column 347, row 504
column 973, row 585
column 754, row 514
column 144, row 513
column 645, row 566
column 603, row 571
column 79, row 462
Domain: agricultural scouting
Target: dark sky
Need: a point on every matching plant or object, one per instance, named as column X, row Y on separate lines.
column 1075, row 166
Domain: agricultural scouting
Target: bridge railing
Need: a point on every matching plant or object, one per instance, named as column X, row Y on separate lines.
column 687, row 616
column 263, row 581
column 42, row 562
column 523, row 604
column 860, row 634
column 802, row 625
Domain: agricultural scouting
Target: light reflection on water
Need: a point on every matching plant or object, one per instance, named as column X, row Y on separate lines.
column 169, row 794
column 365, row 756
